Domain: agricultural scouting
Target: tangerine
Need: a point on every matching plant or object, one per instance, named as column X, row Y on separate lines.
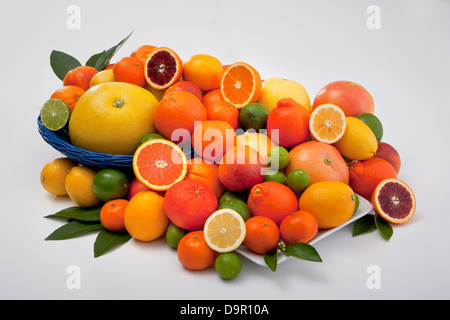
column 112, row 214
column 187, row 86
column 80, row 76
column 222, row 110
column 204, row 70
column 143, row 52
column 130, row 70
column 69, row 94
column 262, row 235
column 194, row 253
column 199, row 169
column 299, row 226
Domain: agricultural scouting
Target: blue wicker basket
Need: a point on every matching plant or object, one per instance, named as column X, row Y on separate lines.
column 60, row 141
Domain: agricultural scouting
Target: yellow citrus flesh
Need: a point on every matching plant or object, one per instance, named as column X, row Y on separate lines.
column 327, row 123
column 224, row 230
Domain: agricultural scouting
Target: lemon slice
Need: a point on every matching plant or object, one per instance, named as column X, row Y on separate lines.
column 224, row 230
column 327, row 123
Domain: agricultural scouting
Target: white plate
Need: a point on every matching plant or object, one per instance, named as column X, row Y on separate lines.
column 364, row 208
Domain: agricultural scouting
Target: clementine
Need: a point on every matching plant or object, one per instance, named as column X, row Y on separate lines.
column 262, row 235
column 69, row 94
column 194, row 253
column 187, row 86
column 390, row 154
column 299, row 226
column 222, row 110
column 80, row 77
column 207, row 172
column 130, row 70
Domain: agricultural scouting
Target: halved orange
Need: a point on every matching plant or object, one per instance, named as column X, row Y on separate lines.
column 394, row 201
column 159, row 164
column 163, row 68
column 327, row 123
column 240, row 84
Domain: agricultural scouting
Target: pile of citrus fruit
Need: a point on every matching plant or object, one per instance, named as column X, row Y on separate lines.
column 221, row 157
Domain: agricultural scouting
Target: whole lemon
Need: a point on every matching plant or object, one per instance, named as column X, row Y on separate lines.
column 78, row 184
column 274, row 89
column 112, row 117
column 102, row 77
column 358, row 142
column 331, row 202
column 53, row 175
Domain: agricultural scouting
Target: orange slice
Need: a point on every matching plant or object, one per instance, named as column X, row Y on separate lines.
column 327, row 123
column 159, row 164
column 394, row 201
column 163, row 68
column 240, row 84
column 224, row 230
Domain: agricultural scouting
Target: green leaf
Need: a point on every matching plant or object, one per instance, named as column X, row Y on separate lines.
column 100, row 60
column 303, row 251
column 78, row 213
column 73, row 229
column 107, row 239
column 364, row 225
column 271, row 260
column 383, row 227
column 62, row 63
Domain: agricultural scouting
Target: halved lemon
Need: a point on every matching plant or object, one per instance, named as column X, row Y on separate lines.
column 327, row 123
column 224, row 230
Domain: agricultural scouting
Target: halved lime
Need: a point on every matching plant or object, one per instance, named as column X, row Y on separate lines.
column 55, row 114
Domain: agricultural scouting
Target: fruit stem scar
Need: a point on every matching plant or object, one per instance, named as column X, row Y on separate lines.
column 118, row 103
column 327, row 161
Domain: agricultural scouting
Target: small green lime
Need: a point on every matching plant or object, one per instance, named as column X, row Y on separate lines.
column 174, row 235
column 275, row 176
column 278, row 157
column 373, row 123
column 356, row 202
column 228, row 265
column 232, row 195
column 110, row 184
column 298, row 180
column 237, row 205
column 55, row 114
column 253, row 116
column 150, row 136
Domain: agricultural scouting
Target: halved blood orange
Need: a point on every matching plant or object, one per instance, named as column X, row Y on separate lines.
column 163, row 68
column 240, row 84
column 394, row 201
column 159, row 164
column 327, row 123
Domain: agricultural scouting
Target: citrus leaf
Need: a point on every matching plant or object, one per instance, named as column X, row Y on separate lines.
column 78, row 213
column 383, row 227
column 364, row 225
column 107, row 239
column 303, row 251
column 73, row 229
column 62, row 63
column 271, row 260
column 100, row 60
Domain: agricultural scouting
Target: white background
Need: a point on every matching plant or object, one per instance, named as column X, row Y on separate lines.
column 404, row 65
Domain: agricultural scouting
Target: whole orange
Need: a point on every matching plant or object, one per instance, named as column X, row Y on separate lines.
column 69, row 94
column 143, row 52
column 194, row 253
column 130, row 70
column 187, row 86
column 222, row 110
column 207, row 172
column 211, row 139
column 299, row 226
column 189, row 203
column 351, row 97
column 144, row 216
column 262, row 235
column 272, row 200
column 212, row 96
column 80, row 77
column 389, row 153
column 176, row 116
column 112, row 214
column 204, row 70
column 365, row 175
column 135, row 187
column 288, row 123
column 241, row 168
column 320, row 160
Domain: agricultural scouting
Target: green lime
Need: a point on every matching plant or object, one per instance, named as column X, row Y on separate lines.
column 278, row 157
column 150, row 136
column 232, row 195
column 228, row 265
column 373, row 123
column 356, row 202
column 253, row 116
column 174, row 235
column 298, row 180
column 55, row 114
column 237, row 205
column 275, row 176
column 110, row 184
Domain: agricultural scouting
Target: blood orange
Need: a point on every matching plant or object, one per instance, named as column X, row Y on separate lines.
column 163, row 68
column 394, row 201
column 159, row 164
